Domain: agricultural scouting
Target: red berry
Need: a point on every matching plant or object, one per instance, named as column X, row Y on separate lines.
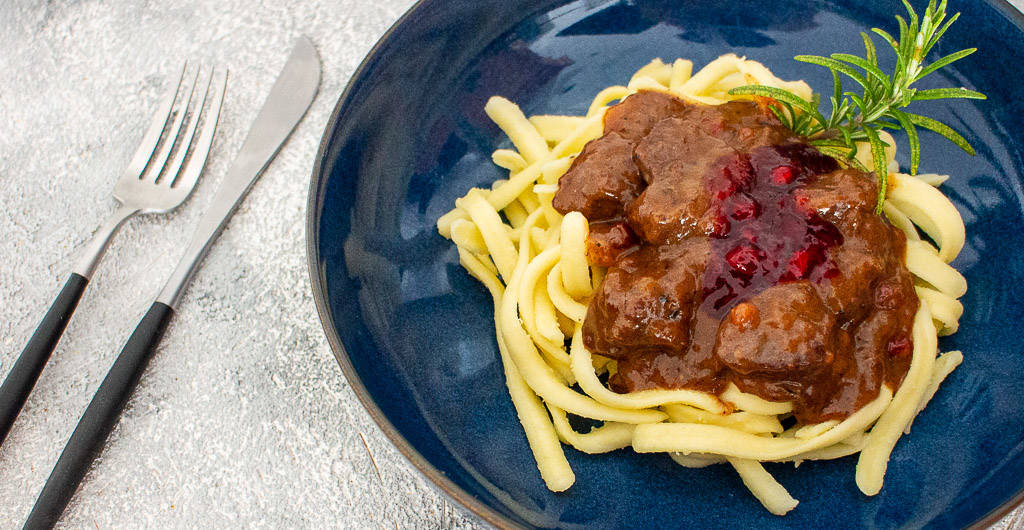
column 744, row 259
column 720, row 227
column 726, row 188
column 900, row 347
column 783, row 174
column 823, row 231
column 802, row 262
column 745, row 207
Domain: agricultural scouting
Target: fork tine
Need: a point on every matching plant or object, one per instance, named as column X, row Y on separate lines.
column 171, row 175
column 156, row 164
column 196, row 162
column 148, row 144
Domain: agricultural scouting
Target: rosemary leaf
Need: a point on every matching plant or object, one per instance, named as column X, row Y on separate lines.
column 833, row 64
column 888, row 38
column 857, row 117
column 878, row 160
column 940, row 32
column 944, row 93
column 871, row 69
column 945, row 61
column 915, row 142
column 782, row 116
column 941, row 128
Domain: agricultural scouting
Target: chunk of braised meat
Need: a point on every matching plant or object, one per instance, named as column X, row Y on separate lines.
column 742, row 125
column 833, row 194
column 780, row 165
column 678, row 148
column 674, row 159
column 647, row 370
column 872, row 251
column 647, row 300
column 607, row 241
column 633, row 117
column 600, row 181
column 667, row 212
column 896, row 303
column 737, row 252
column 785, row 330
column 880, row 351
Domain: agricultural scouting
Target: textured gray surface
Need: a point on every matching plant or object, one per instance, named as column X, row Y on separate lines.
column 243, row 418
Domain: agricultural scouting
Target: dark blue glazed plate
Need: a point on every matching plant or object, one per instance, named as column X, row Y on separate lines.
column 413, row 332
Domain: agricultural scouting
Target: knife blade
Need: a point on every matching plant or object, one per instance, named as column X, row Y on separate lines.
column 289, row 99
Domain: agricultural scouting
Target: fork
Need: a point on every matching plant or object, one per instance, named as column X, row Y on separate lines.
column 153, row 182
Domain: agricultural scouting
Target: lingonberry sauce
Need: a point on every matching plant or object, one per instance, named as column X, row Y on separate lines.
column 736, row 252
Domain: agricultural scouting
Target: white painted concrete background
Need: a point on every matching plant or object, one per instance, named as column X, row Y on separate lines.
column 243, row 418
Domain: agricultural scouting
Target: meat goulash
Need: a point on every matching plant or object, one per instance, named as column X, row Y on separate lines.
column 683, row 269
column 738, row 253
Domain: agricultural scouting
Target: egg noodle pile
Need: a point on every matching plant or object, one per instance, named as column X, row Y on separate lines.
column 532, row 260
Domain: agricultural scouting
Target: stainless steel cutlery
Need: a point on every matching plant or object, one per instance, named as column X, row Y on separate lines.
column 153, row 182
column 160, row 176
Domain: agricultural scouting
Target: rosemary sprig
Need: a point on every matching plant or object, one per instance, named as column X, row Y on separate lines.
column 859, row 117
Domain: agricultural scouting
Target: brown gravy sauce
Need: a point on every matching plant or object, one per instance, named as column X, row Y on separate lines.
column 738, row 253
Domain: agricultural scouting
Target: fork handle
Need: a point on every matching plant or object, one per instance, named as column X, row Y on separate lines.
column 99, row 418
column 23, row 376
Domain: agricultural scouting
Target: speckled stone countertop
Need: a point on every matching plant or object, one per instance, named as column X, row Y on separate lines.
column 243, row 418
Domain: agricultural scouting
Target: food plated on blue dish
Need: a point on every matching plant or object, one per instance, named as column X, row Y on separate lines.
column 694, row 257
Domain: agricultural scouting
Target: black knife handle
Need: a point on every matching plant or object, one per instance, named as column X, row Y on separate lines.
column 23, row 376
column 99, row 418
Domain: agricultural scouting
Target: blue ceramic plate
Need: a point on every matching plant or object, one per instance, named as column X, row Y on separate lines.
column 413, row 332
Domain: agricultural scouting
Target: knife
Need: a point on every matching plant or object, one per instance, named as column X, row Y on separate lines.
column 290, row 97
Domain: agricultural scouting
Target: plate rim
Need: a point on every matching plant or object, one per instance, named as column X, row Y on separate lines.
column 314, row 198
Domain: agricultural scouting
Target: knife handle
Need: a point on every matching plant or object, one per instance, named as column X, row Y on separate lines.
column 99, row 418
column 23, row 376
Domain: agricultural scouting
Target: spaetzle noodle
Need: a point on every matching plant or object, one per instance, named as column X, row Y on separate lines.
column 532, row 260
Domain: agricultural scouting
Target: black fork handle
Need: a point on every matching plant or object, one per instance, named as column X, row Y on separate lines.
column 99, row 418
column 23, row 376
